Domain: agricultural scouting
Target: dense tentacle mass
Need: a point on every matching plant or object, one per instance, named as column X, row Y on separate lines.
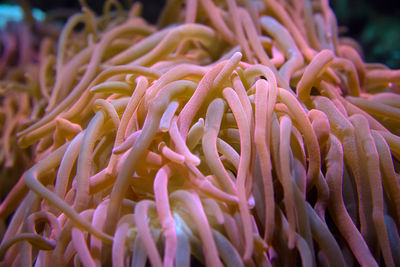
column 236, row 133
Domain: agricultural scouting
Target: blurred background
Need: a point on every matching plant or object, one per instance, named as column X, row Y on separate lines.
column 374, row 24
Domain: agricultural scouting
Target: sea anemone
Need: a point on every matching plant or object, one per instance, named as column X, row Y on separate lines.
column 236, row 133
column 24, row 47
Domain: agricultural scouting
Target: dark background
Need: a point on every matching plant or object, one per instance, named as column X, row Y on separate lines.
column 374, row 24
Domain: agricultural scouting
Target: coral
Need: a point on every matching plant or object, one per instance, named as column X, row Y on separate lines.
column 232, row 133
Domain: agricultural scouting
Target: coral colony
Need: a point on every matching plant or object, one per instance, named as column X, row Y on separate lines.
column 236, row 133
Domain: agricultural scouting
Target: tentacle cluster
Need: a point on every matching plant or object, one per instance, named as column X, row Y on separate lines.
column 236, row 133
column 25, row 48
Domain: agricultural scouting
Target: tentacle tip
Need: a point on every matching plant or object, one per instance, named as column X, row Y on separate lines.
column 237, row 55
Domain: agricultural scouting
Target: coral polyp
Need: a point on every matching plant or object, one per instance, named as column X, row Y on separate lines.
column 236, row 133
